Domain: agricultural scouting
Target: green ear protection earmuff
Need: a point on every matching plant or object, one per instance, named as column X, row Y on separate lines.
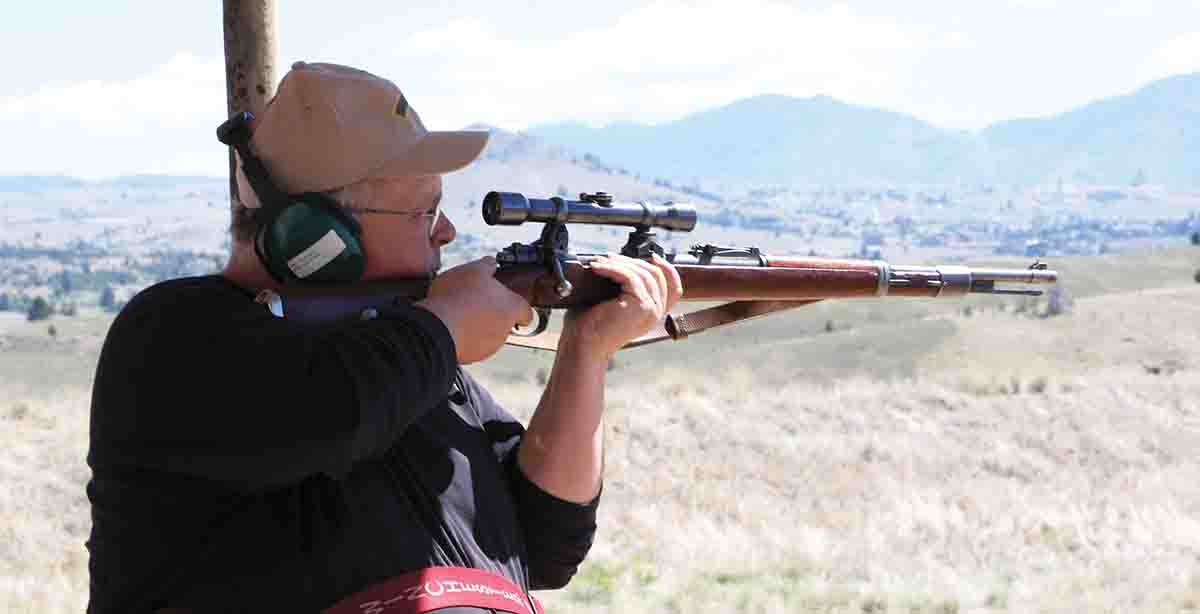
column 303, row 238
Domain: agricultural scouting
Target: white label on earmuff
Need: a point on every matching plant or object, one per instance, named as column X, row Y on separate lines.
column 317, row 255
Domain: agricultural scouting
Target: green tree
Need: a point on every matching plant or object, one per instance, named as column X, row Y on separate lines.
column 39, row 309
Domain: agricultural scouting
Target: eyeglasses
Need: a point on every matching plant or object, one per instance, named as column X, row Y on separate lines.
column 434, row 215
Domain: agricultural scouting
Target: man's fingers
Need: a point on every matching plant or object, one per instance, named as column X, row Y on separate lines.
column 655, row 282
column 528, row 319
column 661, row 293
column 673, row 281
column 518, row 309
column 608, row 267
column 636, row 278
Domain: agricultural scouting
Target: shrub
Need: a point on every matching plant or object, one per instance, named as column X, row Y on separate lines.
column 39, row 309
column 1057, row 302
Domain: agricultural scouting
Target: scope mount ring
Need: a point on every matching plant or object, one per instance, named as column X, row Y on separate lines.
column 561, row 210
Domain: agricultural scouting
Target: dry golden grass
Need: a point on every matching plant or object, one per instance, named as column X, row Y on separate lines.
column 915, row 460
column 44, row 516
column 920, row 495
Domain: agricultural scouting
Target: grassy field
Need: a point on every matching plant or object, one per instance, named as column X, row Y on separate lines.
column 941, row 457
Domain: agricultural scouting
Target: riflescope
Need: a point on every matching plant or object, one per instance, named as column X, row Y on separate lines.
column 512, row 209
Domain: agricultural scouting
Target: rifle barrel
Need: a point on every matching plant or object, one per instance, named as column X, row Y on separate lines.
column 725, row 272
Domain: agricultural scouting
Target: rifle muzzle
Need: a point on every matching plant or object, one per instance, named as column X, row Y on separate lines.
column 952, row 280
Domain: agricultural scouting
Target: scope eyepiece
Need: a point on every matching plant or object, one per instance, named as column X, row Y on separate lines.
column 513, row 209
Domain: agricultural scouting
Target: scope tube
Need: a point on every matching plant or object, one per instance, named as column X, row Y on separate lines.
column 512, row 209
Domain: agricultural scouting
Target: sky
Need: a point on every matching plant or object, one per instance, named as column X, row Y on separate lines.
column 99, row 89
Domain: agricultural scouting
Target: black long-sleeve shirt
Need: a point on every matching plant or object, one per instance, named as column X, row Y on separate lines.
column 246, row 461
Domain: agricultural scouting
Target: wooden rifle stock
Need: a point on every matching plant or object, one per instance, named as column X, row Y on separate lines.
column 773, row 285
column 700, row 283
column 776, row 279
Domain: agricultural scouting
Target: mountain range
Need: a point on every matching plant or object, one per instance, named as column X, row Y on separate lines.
column 1149, row 136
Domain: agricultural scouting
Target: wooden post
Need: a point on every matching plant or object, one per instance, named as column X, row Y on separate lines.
column 250, row 45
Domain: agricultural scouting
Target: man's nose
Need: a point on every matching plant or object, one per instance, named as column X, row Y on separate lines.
column 444, row 230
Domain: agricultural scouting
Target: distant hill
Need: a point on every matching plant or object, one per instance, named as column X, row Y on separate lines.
column 778, row 140
column 37, row 183
column 160, row 181
column 1152, row 135
column 523, row 163
column 529, row 165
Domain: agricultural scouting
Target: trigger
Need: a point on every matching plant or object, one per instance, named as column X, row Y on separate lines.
column 543, row 322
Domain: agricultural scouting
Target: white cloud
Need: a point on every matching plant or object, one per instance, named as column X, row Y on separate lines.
column 100, row 128
column 1177, row 55
column 660, row 61
column 174, row 93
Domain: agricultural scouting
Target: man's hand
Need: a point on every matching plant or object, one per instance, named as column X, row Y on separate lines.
column 648, row 291
column 478, row 310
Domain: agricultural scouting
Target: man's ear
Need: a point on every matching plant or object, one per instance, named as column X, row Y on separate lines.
column 246, row 195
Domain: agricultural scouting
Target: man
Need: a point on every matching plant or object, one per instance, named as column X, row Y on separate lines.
column 247, row 462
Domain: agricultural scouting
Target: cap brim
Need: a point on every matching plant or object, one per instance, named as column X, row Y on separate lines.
column 436, row 153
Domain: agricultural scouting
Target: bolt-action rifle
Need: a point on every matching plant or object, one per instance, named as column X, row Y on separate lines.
column 549, row 276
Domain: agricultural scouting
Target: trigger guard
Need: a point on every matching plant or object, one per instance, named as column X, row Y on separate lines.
column 543, row 316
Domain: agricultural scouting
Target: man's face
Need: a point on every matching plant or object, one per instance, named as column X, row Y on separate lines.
column 408, row 244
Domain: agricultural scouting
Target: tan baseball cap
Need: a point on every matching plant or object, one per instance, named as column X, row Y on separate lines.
column 330, row 126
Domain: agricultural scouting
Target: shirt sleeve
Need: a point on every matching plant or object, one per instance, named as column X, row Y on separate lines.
column 208, row 383
column 558, row 534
